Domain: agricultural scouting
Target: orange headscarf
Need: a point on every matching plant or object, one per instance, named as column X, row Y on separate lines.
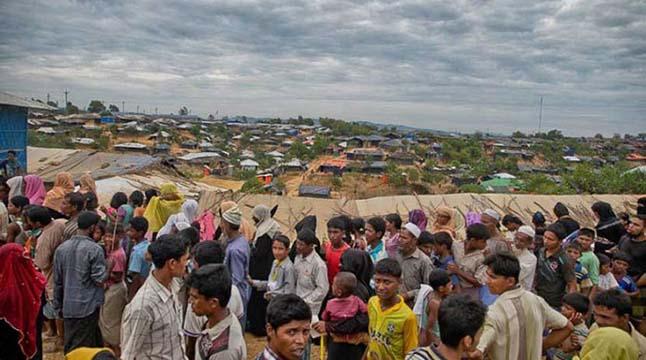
column 62, row 186
column 448, row 227
column 87, row 184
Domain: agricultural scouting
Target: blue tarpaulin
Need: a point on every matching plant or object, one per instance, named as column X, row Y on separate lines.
column 107, row 120
column 13, row 132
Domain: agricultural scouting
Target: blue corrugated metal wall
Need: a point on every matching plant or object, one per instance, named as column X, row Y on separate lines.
column 13, row 132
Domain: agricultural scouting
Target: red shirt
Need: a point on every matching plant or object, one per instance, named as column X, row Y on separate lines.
column 333, row 260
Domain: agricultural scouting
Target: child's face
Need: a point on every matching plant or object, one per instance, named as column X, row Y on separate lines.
column 98, row 234
column 620, row 266
column 279, row 250
column 604, row 269
column 12, row 209
column 573, row 254
column 585, row 241
column 108, row 241
column 390, row 226
column 445, row 290
column 440, row 250
column 567, row 310
column 386, row 286
column 335, row 235
column 426, row 249
column 337, row 290
column 371, row 234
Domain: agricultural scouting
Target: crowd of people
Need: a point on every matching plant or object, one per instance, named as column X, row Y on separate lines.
column 149, row 276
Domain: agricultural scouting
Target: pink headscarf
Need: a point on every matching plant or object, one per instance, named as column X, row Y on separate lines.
column 34, row 189
column 418, row 217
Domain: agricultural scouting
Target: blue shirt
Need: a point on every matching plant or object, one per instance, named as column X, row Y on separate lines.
column 378, row 252
column 627, row 284
column 443, row 263
column 138, row 263
column 79, row 272
column 236, row 258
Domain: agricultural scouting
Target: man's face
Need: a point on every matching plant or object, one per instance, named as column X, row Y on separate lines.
column 573, row 254
column 498, row 284
column 386, row 286
column 426, row 248
column 200, row 304
column 178, row 268
column 407, row 242
column 289, row 340
column 620, row 266
column 585, row 241
column 303, row 248
column 636, row 227
column 605, row 316
column 336, row 236
column 279, row 250
column 34, row 224
column 371, row 234
column 132, row 233
column 521, row 240
column 511, row 226
column 551, row 241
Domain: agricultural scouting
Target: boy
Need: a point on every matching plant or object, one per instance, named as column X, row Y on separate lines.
column 336, row 229
column 310, row 272
column 588, row 259
column 620, row 264
column 442, row 244
column 375, row 230
column 281, row 277
column 429, row 327
column 116, row 292
column 583, row 283
column 469, row 260
column 222, row 336
column 523, row 240
column 138, row 267
column 288, row 328
column 575, row 307
column 392, row 324
column 425, row 243
column 607, row 281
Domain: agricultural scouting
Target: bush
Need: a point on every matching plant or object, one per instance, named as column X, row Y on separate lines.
column 252, row 186
column 472, row 188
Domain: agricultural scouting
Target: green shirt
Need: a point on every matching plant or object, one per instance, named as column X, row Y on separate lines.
column 590, row 261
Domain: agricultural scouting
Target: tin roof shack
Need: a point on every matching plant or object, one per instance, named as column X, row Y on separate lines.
column 131, row 147
column 333, row 166
column 367, row 141
column 403, row 158
column 189, row 144
column 392, row 145
column 161, row 149
column 212, row 159
column 248, row 165
column 508, row 153
column 323, row 192
column 14, row 112
column 294, row 165
column 363, row 154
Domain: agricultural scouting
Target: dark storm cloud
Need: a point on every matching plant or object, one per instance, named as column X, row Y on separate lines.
column 462, row 63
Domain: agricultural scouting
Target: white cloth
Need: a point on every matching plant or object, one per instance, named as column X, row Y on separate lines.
column 607, row 281
column 15, row 186
column 413, row 229
column 527, row 230
column 420, row 302
column 492, row 213
column 181, row 219
column 527, row 262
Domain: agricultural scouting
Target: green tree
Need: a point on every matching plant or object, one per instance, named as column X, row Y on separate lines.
column 320, row 145
column 472, row 188
column 71, row 108
column 96, row 106
column 252, row 186
column 196, row 131
column 113, row 108
column 299, row 150
column 183, row 110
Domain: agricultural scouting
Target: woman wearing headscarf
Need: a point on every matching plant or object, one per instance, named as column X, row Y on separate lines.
column 444, row 221
column 609, row 343
column 34, row 189
column 609, row 227
column 63, row 185
column 21, row 292
column 161, row 207
column 360, row 264
column 15, row 186
column 182, row 219
column 87, row 184
column 418, row 217
column 260, row 266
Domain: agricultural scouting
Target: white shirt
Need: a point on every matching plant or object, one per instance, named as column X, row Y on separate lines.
column 194, row 324
column 527, row 269
column 607, row 281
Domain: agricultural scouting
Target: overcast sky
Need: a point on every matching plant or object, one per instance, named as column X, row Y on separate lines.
column 452, row 65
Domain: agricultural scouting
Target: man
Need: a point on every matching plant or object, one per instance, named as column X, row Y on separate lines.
column 523, row 240
column 496, row 242
column 152, row 321
column 10, row 166
column 222, row 337
column 460, row 320
column 469, row 260
column 512, row 223
column 634, row 244
column 563, row 215
column 138, row 266
column 288, row 328
column 416, row 266
column 73, row 204
column 79, row 273
column 612, row 308
column 311, row 275
column 554, row 271
column 237, row 254
column 515, row 322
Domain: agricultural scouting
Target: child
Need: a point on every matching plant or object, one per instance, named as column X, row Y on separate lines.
column 342, row 307
column 281, row 277
column 393, row 227
column 375, row 230
column 116, row 292
column 392, row 324
column 588, row 259
column 469, row 260
column 607, row 281
column 583, row 283
column 575, row 307
column 99, row 231
column 429, row 326
column 620, row 264
column 137, row 202
column 336, row 229
column 442, row 244
column 138, row 267
column 15, row 230
column 358, row 227
column 120, row 211
column 425, row 243
column 523, row 239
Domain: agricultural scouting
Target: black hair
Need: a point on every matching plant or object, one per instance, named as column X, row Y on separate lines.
column 395, row 219
column 459, row 316
column 388, row 267
column 150, row 193
column 578, row 302
column 282, row 239
column 503, row 264
column 437, row 278
column 603, row 259
column 118, row 199
column 587, row 232
column 443, row 238
column 575, row 245
column 622, row 256
column 86, row 219
column 284, row 309
column 190, row 235
column 91, row 201
column 110, row 228
column 425, row 237
column 477, row 231
column 19, row 201
column 167, row 247
column 538, row 218
column 337, row 223
column 347, row 281
column 39, row 214
column 11, row 152
column 102, row 225
column 307, row 236
column 212, row 281
column 561, row 210
column 137, row 198
column 558, row 230
column 208, row 252
column 76, row 199
column 139, row 223
column 624, row 216
column 378, row 224
column 358, row 225
column 509, row 218
column 614, row 299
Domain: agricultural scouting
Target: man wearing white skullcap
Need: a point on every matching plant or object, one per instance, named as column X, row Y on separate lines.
column 523, row 240
column 237, row 253
column 416, row 266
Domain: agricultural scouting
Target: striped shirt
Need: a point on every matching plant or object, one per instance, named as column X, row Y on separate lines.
column 514, row 326
column 152, row 323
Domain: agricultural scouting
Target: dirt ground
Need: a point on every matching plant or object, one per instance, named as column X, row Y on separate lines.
column 254, row 347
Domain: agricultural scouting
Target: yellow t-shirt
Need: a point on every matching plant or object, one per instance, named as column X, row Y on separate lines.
column 393, row 332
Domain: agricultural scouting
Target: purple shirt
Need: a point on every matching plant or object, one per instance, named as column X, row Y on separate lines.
column 236, row 259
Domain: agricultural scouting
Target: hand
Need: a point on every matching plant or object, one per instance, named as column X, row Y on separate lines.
column 267, row 296
column 576, row 318
column 319, row 327
column 475, row 355
column 103, row 208
column 452, row 268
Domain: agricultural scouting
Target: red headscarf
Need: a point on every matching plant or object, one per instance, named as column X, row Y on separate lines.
column 21, row 288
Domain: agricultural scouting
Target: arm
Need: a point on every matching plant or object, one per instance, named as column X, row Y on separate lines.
column 190, row 347
column 641, row 282
column 556, row 337
column 289, row 285
column 561, row 327
column 137, row 282
column 487, row 338
column 454, row 269
column 13, row 230
column 426, row 336
column 356, row 324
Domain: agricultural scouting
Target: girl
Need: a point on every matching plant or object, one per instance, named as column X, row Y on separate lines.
column 115, row 288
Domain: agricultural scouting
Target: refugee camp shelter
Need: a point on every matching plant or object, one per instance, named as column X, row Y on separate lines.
column 13, row 125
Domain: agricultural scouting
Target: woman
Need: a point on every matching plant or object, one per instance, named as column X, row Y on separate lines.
column 15, row 186
column 34, row 189
column 609, row 227
column 260, row 265
column 21, row 292
column 360, row 264
column 609, row 343
column 418, row 217
column 161, row 207
column 115, row 292
column 87, row 184
column 182, row 219
column 63, row 185
column 444, row 221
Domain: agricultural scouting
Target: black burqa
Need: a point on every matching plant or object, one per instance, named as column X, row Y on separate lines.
column 308, row 222
column 609, row 227
column 360, row 264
